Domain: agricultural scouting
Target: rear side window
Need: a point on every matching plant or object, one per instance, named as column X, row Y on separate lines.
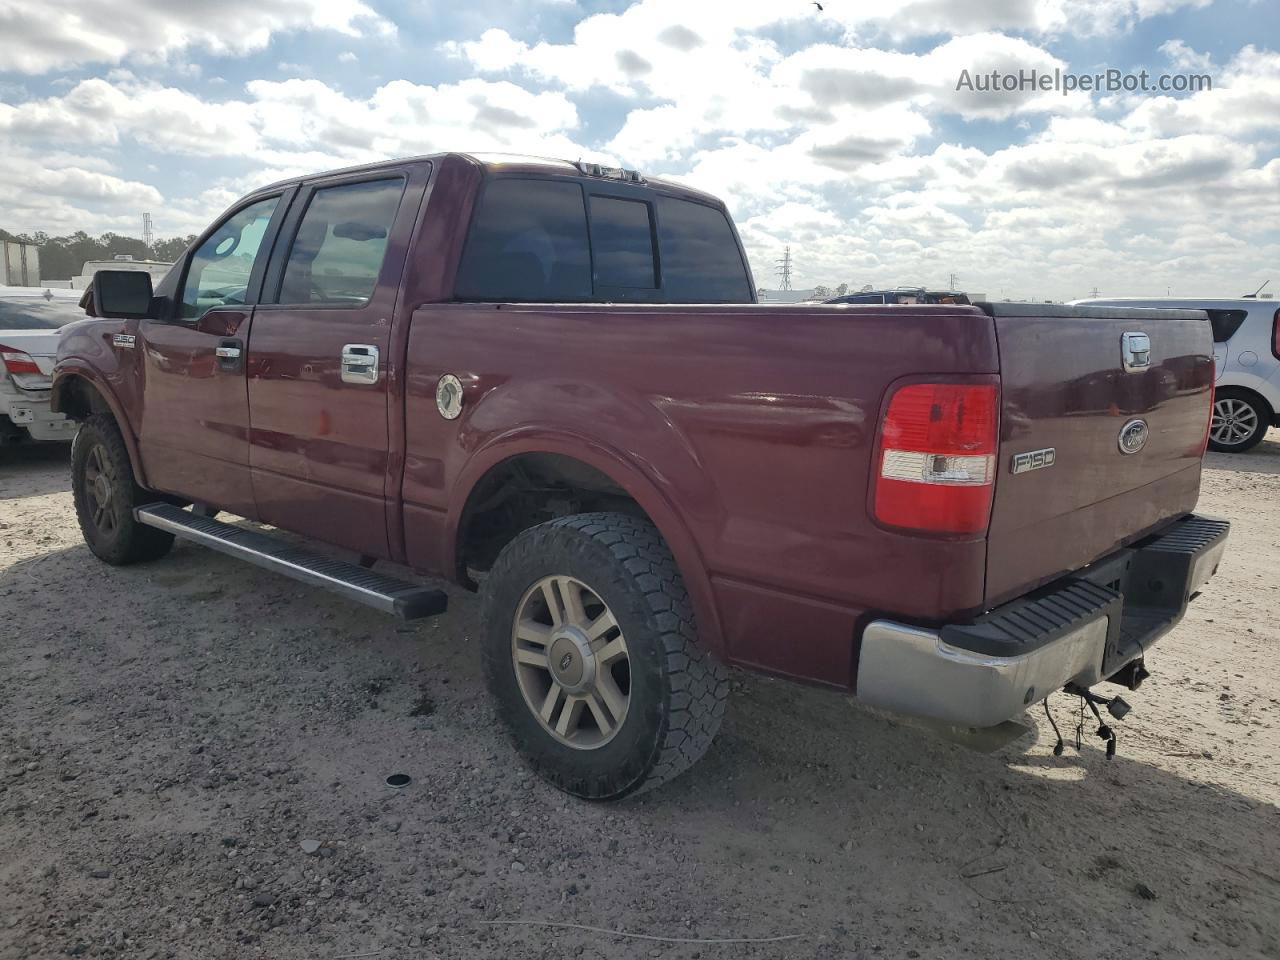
column 701, row 262
column 337, row 252
column 528, row 242
column 622, row 243
column 1225, row 323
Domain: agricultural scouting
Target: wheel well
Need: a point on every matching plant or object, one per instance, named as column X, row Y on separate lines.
column 524, row 491
column 78, row 399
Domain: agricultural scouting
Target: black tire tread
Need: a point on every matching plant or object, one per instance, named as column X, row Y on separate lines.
column 137, row 543
column 697, row 683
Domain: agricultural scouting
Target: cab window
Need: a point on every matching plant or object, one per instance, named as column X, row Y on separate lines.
column 337, row 253
column 220, row 268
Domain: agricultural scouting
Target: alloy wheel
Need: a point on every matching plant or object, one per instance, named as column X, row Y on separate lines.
column 100, row 483
column 571, row 662
column 1234, row 421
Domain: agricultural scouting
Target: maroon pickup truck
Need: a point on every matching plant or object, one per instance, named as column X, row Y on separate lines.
column 551, row 382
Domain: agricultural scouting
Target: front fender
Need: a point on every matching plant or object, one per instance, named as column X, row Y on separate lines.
column 69, row 368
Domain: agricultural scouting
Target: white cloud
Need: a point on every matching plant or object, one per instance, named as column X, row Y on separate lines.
column 836, row 147
column 278, row 129
column 1245, row 98
column 39, row 37
column 1184, row 57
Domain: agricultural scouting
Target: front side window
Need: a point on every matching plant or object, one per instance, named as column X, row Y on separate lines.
column 338, row 250
column 622, row 243
column 701, row 262
column 528, row 243
column 220, row 268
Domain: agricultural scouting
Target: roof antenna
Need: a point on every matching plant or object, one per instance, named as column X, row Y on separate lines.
column 1254, row 295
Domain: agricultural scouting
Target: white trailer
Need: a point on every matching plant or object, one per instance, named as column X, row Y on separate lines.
column 19, row 264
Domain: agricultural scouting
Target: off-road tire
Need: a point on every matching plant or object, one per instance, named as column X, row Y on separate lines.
column 677, row 688
column 127, row 541
column 1260, row 411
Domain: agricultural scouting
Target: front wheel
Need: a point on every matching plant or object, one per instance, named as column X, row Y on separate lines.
column 1239, row 423
column 105, row 494
column 591, row 655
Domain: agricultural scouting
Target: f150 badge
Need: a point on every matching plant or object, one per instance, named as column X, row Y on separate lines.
column 1033, row 460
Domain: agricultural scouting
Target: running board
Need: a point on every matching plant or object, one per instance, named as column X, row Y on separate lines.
column 406, row 600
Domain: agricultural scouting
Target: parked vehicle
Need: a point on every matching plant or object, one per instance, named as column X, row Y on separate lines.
column 550, row 381
column 1246, row 353
column 902, row 295
column 29, row 322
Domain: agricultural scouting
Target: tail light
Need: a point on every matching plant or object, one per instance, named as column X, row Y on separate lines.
column 1275, row 334
column 15, row 361
column 936, row 461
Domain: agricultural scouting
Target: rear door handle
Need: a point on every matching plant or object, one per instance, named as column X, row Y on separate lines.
column 359, row 363
column 229, row 354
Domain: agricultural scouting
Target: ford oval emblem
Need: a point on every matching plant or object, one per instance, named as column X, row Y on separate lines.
column 1133, row 436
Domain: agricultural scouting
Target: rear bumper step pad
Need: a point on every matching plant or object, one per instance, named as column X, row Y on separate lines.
column 406, row 600
column 1081, row 629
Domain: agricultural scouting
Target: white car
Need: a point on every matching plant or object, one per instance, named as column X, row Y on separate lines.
column 1246, row 354
column 29, row 321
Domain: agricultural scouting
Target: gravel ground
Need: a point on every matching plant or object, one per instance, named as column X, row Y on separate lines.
column 193, row 755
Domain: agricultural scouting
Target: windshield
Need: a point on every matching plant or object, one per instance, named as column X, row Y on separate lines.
column 37, row 314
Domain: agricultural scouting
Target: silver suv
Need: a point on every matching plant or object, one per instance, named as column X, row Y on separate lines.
column 1246, row 354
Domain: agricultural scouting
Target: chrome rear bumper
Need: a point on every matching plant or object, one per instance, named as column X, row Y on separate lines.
column 914, row 671
column 1082, row 629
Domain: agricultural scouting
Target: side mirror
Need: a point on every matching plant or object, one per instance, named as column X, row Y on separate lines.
column 120, row 294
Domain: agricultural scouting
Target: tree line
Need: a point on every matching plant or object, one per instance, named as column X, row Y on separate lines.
column 62, row 257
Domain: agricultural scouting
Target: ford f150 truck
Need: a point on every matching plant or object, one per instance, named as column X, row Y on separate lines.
column 551, row 382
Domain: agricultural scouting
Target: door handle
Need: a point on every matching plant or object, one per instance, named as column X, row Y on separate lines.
column 229, row 353
column 359, row 363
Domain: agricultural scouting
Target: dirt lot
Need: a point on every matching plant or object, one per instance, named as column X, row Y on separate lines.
column 174, row 738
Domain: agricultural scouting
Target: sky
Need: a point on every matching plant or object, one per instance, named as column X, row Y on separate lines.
column 840, row 132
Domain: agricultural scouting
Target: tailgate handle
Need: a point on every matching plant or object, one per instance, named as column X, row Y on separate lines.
column 1135, row 351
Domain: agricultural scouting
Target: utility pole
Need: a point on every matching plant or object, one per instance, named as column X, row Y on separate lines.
column 1094, row 293
column 784, row 269
column 954, row 278
column 147, row 234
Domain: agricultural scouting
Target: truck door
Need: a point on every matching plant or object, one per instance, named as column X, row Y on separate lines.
column 321, row 359
column 194, row 431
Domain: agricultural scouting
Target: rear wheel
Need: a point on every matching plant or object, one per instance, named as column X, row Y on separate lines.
column 105, row 494
column 1240, row 421
column 590, row 654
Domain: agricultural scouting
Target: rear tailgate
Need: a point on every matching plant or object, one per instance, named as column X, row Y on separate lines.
column 1065, row 389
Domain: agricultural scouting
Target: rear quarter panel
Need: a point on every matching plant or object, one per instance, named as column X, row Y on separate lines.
column 755, row 427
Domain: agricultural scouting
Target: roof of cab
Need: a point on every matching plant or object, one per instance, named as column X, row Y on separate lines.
column 506, row 163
